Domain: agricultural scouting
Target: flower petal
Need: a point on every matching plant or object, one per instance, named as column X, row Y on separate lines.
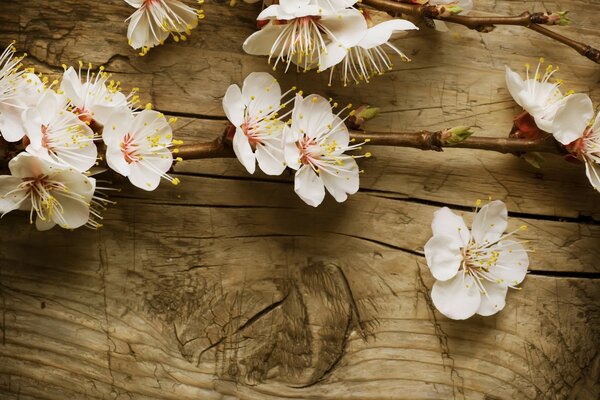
column 456, row 298
column 11, row 122
column 494, row 300
column 444, row 257
column 513, row 261
column 309, row 186
column 290, row 151
column 233, row 105
column 490, row 223
column 147, row 174
column 243, row 150
column 382, row 32
column 514, row 83
column 347, row 26
column 344, row 182
column 446, row 223
column 10, row 197
column 261, row 94
column 269, row 156
column 572, row 118
column 260, row 43
column 592, row 170
column 44, row 224
column 71, row 85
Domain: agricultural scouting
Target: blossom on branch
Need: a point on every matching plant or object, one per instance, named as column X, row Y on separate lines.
column 367, row 58
column 54, row 195
column 154, row 20
column 299, row 31
column 19, row 89
column 96, row 98
column 137, row 146
column 57, row 135
column 474, row 269
column 563, row 116
column 254, row 112
column 315, row 145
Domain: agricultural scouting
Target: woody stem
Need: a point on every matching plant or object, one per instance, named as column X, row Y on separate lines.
column 486, row 24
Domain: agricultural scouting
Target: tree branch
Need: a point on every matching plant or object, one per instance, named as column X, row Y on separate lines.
column 424, row 140
column 486, row 24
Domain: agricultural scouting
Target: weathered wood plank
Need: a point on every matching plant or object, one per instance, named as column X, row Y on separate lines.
column 161, row 320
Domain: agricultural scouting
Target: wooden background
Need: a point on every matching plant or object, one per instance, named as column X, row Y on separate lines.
column 228, row 286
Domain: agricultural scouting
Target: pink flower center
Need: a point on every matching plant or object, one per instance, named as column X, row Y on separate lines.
column 307, row 156
column 249, row 131
column 129, row 149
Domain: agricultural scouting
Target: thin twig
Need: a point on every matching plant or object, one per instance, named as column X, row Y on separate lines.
column 423, row 140
column 485, row 24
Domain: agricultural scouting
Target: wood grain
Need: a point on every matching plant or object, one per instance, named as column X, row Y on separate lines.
column 229, row 287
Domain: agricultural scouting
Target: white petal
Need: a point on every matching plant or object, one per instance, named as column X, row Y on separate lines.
column 490, row 223
column 446, row 223
column 592, row 170
column 335, row 53
column 290, row 151
column 233, row 105
column 44, row 224
column 243, row 150
column 116, row 159
column 71, row 85
column 120, row 125
column 494, row 301
column 343, row 183
column 309, row 186
column 11, row 122
column 347, row 26
column 261, row 42
column 514, row 83
column 312, row 115
column 261, row 93
column 75, row 213
column 457, row 298
column 513, row 261
column 572, row 118
column 270, row 157
column 381, row 33
column 14, row 200
column 443, row 256
column 146, row 175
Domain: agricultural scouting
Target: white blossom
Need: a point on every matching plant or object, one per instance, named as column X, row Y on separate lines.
column 137, row 146
column 97, row 97
column 299, row 31
column 315, row 146
column 19, row 89
column 368, row 57
column 57, row 135
column 473, row 270
column 154, row 20
column 253, row 111
column 55, row 196
column 544, row 100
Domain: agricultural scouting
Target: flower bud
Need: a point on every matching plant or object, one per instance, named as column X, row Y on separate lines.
column 361, row 115
column 559, row 18
column 456, row 135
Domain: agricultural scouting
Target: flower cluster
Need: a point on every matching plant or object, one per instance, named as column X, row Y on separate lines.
column 568, row 117
column 320, row 34
column 155, row 20
column 310, row 138
column 474, row 269
column 60, row 130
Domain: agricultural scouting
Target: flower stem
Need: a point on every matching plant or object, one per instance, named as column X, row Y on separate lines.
column 486, row 24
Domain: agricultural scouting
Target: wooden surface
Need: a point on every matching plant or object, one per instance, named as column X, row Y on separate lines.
column 228, row 286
